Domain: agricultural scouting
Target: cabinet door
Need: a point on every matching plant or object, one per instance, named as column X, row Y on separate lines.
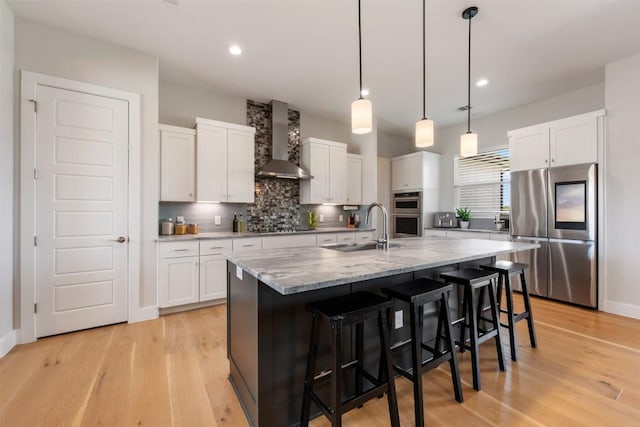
column 529, row 148
column 177, row 167
column 319, row 169
column 213, row 277
column 365, row 236
column 241, row 167
column 296, row 241
column 178, row 281
column 574, row 141
column 212, row 164
column 354, row 179
column 337, row 174
column 324, row 238
column 428, row 232
column 468, row 235
column 247, row 244
column 348, row 237
column 406, row 173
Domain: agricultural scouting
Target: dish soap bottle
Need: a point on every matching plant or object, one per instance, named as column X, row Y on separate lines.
column 235, row 223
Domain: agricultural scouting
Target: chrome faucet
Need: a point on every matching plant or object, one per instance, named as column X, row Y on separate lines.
column 384, row 242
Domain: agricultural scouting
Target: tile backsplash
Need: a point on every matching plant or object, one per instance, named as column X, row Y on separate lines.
column 204, row 214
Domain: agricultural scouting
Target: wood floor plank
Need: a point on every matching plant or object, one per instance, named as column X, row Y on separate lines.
column 173, row 371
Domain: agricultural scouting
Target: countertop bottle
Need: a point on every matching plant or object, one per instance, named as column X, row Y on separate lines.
column 235, row 223
column 241, row 224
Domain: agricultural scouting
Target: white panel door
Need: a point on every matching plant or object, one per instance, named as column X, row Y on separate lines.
column 529, row 148
column 178, row 281
column 574, row 141
column 213, row 277
column 240, row 161
column 354, row 179
column 337, row 174
column 177, row 167
column 212, row 164
column 319, row 169
column 81, row 211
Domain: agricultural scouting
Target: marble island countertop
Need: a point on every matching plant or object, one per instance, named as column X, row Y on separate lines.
column 231, row 235
column 291, row 271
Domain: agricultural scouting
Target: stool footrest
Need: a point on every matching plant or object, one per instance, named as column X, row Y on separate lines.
column 354, row 402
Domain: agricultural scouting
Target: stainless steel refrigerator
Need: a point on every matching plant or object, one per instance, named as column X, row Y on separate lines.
column 557, row 208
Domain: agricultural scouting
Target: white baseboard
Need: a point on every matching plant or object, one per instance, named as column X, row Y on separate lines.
column 7, row 342
column 144, row 313
column 622, row 309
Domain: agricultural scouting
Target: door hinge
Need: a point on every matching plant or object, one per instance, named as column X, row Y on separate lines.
column 35, row 240
column 35, row 308
column 35, row 173
column 35, row 105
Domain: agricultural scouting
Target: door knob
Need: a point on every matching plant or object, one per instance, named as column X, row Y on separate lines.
column 121, row 239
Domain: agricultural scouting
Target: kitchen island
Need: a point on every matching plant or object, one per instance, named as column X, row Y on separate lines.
column 268, row 325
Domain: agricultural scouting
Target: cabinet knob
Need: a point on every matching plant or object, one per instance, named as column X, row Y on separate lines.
column 546, row 161
column 553, row 160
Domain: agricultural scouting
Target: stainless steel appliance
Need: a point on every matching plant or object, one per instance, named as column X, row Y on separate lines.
column 407, row 214
column 557, row 208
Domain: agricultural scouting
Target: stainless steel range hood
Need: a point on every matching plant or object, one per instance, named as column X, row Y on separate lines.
column 280, row 166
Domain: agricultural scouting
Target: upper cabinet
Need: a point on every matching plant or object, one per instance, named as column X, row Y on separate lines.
column 225, row 162
column 177, row 164
column 569, row 141
column 415, row 171
column 327, row 163
column 354, row 179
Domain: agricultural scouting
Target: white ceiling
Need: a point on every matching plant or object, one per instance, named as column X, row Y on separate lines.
column 305, row 51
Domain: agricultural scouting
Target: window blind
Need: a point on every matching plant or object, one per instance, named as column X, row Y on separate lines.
column 482, row 182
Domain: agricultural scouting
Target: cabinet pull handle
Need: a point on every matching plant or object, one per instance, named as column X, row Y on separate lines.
column 346, row 238
column 215, row 247
column 247, row 246
column 217, row 253
column 180, row 250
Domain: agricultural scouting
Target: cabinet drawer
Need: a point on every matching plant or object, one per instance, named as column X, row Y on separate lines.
column 349, row 237
column 324, row 238
column 248, row 244
column 178, row 249
column 298, row 241
column 365, row 236
column 468, row 235
column 215, row 247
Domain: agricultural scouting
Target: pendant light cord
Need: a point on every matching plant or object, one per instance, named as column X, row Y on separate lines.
column 469, row 81
column 424, row 61
column 360, row 48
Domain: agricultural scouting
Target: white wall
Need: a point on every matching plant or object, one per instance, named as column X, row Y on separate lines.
column 393, row 145
column 492, row 129
column 47, row 50
column 622, row 187
column 7, row 333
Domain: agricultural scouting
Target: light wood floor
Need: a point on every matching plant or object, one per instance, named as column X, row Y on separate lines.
column 173, row 371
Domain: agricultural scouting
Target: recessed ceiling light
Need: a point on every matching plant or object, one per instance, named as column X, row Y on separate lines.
column 235, row 50
column 482, row 82
column 364, row 92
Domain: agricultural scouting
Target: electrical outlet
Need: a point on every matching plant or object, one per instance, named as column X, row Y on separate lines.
column 341, row 218
column 321, row 218
column 398, row 322
column 217, row 220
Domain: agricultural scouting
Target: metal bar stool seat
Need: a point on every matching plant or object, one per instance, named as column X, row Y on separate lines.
column 417, row 293
column 506, row 269
column 340, row 312
column 475, row 282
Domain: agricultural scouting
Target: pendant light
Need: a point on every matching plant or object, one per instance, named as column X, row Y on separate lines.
column 361, row 111
column 424, row 126
column 469, row 140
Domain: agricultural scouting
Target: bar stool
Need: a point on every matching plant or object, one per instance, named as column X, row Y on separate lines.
column 417, row 293
column 339, row 312
column 476, row 280
column 506, row 269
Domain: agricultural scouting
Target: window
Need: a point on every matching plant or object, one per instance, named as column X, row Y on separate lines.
column 482, row 182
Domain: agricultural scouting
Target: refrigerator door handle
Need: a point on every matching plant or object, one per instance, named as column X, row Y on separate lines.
column 530, row 239
column 573, row 241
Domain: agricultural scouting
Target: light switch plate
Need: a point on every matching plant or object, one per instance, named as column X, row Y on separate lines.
column 321, row 218
column 340, row 218
column 217, row 219
column 398, row 322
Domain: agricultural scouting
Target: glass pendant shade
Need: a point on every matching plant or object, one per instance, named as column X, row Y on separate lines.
column 361, row 116
column 424, row 133
column 468, row 144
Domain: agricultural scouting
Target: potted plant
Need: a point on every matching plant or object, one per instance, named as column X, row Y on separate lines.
column 464, row 214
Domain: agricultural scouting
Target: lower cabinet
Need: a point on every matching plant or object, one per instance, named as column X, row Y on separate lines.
column 178, row 281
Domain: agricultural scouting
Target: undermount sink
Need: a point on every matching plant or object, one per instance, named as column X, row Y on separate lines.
column 353, row 247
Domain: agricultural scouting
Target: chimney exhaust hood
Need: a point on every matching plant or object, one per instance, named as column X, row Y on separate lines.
column 280, row 166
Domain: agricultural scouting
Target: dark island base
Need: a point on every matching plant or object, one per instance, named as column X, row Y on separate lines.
column 268, row 333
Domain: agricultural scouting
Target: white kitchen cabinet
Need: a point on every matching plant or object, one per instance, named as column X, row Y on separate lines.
column 225, row 160
column 468, row 235
column 415, row 172
column 325, row 238
column 213, row 268
column 366, row 236
column 247, row 244
column 569, row 141
column 354, row 179
column 434, row 233
column 178, row 274
column 177, row 164
column 327, row 163
column 347, row 237
column 293, row 241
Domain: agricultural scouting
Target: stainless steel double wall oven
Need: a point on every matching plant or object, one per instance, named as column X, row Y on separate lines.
column 407, row 214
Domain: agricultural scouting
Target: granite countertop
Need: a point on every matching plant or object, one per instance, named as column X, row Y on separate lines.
column 475, row 230
column 231, row 235
column 291, row 271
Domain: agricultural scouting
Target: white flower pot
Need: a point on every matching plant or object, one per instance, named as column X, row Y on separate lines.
column 464, row 224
